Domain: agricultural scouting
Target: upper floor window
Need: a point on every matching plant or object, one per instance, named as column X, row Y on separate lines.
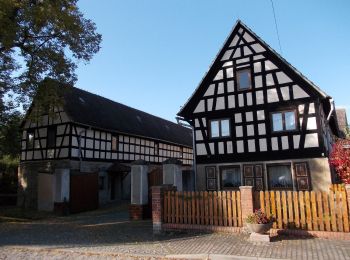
column 284, row 121
column 219, row 128
column 243, row 79
column 51, row 137
column 30, row 139
column 114, row 143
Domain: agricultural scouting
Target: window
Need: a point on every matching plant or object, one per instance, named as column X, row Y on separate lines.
column 302, row 176
column 231, row 177
column 253, row 176
column 51, row 137
column 220, row 128
column 283, row 121
column 243, row 79
column 280, row 177
column 211, row 177
column 114, row 143
column 30, row 139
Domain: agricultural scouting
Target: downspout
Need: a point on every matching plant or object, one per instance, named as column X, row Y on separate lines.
column 331, row 102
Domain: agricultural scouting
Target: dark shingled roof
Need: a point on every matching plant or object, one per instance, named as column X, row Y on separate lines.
column 93, row 110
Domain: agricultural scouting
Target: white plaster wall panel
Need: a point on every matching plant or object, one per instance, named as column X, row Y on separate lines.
column 296, row 141
column 269, row 65
column 239, row 131
column 42, row 132
column 196, row 124
column 240, row 146
column 248, row 116
column 132, row 148
column 109, row 136
column 311, row 140
column 220, row 88
column 126, row 156
column 88, row 154
column 108, row 146
column 285, row 93
column 219, row 75
column 43, row 142
column 64, row 117
column 37, row 155
column 272, row 95
column 89, row 133
column 301, row 109
column 274, row 143
column 121, row 138
column 259, row 95
column 210, row 104
column 258, row 48
column 237, row 53
column 200, row 107
column 249, row 99
column 257, row 67
column 204, row 121
column 311, row 123
column 240, row 100
column 240, row 30
column 229, row 147
column 248, row 37
column 211, row 147
column 258, row 82
column 269, row 80
column 230, row 86
column 60, row 129
column 301, row 121
column 29, row 155
column 74, row 141
column 227, row 55
column 258, row 57
column 238, row 118
column 221, row 148
column 228, row 63
column 199, row 136
column 229, row 73
column 75, row 152
column 231, row 101
column 247, row 51
column 103, row 145
column 44, row 120
column 242, row 60
column 210, row 90
column 311, row 108
column 285, row 142
column 234, row 41
column 58, row 142
column 115, row 156
column 89, row 143
column 263, row 145
column 262, row 129
column 220, row 103
column 24, row 134
column 97, row 154
column 250, row 130
column 241, row 42
column 282, row 78
column 24, row 144
column 65, row 141
column 260, row 114
column 251, row 146
column 298, row 92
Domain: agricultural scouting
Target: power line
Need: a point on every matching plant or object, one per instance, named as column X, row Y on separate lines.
column 278, row 35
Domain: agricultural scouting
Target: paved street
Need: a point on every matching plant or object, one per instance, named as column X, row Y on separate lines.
column 108, row 234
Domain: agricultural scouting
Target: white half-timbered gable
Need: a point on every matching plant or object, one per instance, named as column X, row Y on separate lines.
column 252, row 105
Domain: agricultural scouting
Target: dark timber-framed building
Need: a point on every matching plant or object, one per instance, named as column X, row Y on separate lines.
column 259, row 122
column 83, row 152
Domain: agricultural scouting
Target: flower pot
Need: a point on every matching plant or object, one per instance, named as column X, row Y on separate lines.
column 259, row 228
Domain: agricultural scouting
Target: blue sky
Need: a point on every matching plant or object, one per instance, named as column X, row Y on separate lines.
column 154, row 53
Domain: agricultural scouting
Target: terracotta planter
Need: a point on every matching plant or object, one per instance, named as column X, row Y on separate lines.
column 259, row 228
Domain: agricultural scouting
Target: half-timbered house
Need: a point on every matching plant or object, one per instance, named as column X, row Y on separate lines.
column 258, row 121
column 83, row 151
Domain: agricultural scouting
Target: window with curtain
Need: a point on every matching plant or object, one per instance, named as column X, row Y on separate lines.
column 280, row 177
column 231, row 178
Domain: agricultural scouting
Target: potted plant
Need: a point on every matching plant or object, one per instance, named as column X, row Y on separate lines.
column 258, row 222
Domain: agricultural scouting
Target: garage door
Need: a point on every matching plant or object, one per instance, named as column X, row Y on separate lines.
column 83, row 192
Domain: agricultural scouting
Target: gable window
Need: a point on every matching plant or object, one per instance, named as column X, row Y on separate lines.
column 220, row 128
column 30, row 139
column 243, row 79
column 283, row 121
column 114, row 143
column 280, row 177
column 51, row 137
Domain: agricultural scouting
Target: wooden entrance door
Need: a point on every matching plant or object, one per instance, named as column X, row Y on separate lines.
column 155, row 178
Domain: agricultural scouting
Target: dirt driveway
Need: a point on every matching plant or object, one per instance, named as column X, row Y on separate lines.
column 108, row 233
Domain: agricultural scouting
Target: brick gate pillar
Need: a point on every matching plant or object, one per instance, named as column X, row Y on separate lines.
column 157, row 206
column 247, row 202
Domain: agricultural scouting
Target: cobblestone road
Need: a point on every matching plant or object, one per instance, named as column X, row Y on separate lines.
column 109, row 234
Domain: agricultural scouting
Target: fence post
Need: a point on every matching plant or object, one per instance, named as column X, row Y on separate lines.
column 157, row 206
column 347, row 190
column 247, row 202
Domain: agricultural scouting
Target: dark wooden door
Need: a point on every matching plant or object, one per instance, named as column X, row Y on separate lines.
column 155, row 178
column 83, row 192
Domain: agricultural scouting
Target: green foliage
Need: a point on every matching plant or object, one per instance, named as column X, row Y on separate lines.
column 8, row 174
column 41, row 39
column 10, row 136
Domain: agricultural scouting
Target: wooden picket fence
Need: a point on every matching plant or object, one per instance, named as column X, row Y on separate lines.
column 319, row 211
column 337, row 187
column 221, row 208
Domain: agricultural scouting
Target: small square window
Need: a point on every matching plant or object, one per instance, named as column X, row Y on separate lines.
column 284, row 121
column 220, row 128
column 243, row 78
column 231, row 178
